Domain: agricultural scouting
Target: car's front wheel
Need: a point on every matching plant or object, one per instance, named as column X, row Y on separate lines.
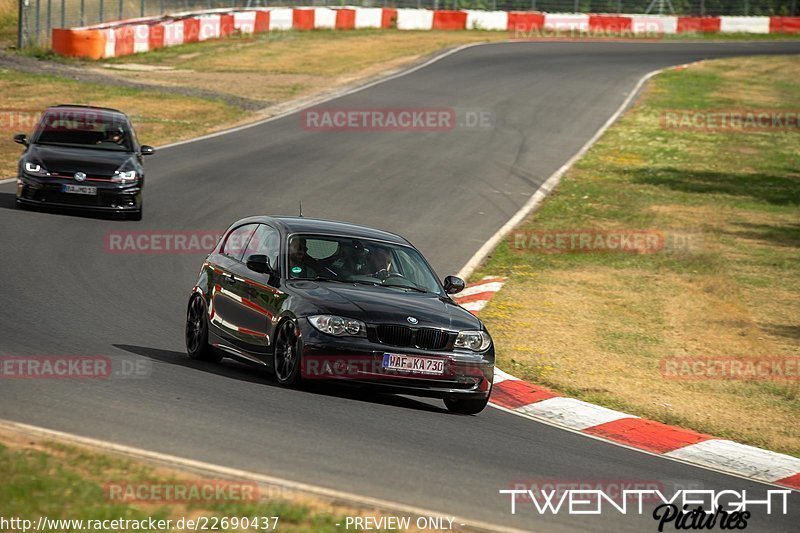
column 197, row 333
column 465, row 406
column 286, row 358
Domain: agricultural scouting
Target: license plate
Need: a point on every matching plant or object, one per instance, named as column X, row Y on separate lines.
column 79, row 189
column 412, row 363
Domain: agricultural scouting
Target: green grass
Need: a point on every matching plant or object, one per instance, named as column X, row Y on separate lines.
column 64, row 482
column 596, row 325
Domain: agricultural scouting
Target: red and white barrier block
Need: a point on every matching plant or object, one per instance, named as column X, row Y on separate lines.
column 369, row 17
column 142, row 35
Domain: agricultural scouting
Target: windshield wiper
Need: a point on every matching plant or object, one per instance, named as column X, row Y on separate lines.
column 84, row 146
column 362, row 282
column 412, row 287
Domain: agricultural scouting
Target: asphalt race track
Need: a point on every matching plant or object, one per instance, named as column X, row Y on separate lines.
column 448, row 192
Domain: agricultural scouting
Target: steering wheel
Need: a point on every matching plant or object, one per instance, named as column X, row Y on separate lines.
column 384, row 274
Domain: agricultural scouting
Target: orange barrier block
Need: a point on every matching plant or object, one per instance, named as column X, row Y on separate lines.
column 225, row 24
column 610, row 23
column 191, row 30
column 345, row 19
column 303, row 19
column 449, row 20
column 155, row 39
column 262, row 22
column 698, row 24
column 522, row 21
column 388, row 18
column 90, row 44
column 784, row 24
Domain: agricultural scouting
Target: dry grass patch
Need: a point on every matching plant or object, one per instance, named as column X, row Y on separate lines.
column 269, row 69
column 596, row 326
column 279, row 65
column 66, row 481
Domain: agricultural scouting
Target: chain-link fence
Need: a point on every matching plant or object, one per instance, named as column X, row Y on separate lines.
column 39, row 17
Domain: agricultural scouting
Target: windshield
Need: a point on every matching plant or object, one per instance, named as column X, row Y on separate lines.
column 345, row 259
column 85, row 128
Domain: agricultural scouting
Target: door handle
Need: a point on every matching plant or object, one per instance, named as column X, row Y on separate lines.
column 229, row 277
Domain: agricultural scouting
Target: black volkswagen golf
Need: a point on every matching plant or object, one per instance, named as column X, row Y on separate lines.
column 83, row 157
column 315, row 299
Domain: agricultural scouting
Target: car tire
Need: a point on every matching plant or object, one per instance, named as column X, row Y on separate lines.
column 286, row 358
column 197, row 346
column 465, row 407
column 136, row 215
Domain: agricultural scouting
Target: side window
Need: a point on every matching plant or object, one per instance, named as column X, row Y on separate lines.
column 237, row 240
column 266, row 241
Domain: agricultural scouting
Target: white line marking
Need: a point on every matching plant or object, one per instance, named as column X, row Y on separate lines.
column 305, row 103
column 542, row 192
column 333, row 95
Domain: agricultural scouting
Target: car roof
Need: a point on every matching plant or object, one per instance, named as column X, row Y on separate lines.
column 83, row 107
column 291, row 225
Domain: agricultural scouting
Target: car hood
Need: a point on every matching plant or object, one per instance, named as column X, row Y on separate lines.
column 66, row 160
column 381, row 305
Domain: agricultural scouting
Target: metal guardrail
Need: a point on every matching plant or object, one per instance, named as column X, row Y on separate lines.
column 38, row 17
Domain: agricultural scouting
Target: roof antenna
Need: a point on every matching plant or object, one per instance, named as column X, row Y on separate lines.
column 301, row 208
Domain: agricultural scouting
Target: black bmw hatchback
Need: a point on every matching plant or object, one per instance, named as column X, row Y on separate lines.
column 314, row 299
column 83, row 157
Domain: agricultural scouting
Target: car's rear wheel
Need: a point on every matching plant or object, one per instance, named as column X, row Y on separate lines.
column 197, row 333
column 286, row 357
column 465, row 406
column 136, row 215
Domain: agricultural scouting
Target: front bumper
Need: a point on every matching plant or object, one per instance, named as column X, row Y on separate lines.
column 110, row 197
column 359, row 361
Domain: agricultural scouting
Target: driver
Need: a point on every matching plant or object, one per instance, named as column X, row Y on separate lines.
column 380, row 261
column 115, row 136
column 301, row 265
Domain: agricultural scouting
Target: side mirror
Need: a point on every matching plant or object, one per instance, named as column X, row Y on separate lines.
column 21, row 138
column 147, row 150
column 453, row 285
column 259, row 263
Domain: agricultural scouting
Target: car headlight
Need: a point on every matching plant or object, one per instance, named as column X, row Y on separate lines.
column 338, row 326
column 35, row 168
column 477, row 341
column 124, row 175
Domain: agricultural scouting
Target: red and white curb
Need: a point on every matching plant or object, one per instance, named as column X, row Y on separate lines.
column 476, row 295
column 689, row 446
